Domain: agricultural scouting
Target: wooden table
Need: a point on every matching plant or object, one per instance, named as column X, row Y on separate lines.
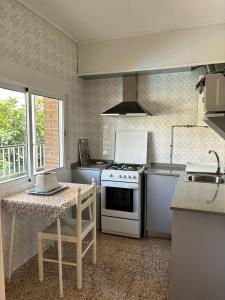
column 53, row 206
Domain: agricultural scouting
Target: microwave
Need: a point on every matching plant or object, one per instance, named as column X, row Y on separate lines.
column 214, row 93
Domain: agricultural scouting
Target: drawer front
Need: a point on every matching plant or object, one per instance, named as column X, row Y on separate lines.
column 121, row 226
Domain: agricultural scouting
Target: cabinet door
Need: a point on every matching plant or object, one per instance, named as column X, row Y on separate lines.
column 86, row 175
column 160, row 191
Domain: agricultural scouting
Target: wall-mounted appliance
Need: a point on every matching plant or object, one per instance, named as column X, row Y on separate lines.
column 212, row 99
column 129, row 107
column 213, row 92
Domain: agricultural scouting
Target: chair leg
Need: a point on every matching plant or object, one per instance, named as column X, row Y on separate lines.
column 79, row 247
column 40, row 257
column 11, row 246
column 79, row 263
column 94, row 233
column 94, row 247
column 60, row 257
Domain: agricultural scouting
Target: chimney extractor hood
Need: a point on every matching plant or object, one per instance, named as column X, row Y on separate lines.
column 130, row 106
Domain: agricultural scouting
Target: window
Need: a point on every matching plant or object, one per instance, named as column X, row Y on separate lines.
column 31, row 133
column 13, row 141
column 47, row 133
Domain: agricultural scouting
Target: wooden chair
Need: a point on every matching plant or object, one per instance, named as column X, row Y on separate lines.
column 73, row 232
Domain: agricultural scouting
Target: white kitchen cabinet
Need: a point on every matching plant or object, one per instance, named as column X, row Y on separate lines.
column 159, row 193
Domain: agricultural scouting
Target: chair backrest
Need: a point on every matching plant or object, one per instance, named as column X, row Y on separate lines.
column 84, row 200
column 88, row 197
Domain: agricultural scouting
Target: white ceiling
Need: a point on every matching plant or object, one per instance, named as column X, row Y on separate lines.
column 96, row 19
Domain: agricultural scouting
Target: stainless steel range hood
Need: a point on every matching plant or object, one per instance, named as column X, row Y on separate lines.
column 130, row 106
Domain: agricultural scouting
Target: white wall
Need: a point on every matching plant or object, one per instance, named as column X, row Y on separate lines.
column 177, row 48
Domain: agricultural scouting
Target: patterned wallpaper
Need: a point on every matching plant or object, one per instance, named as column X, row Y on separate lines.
column 29, row 41
column 171, row 98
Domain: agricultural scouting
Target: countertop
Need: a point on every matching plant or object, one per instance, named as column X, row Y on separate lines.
column 199, row 197
column 165, row 169
column 192, row 196
column 188, row 196
column 93, row 165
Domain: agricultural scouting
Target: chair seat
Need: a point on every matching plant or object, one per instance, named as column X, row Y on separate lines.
column 68, row 230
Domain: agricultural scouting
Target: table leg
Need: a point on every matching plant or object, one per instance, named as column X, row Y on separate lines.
column 79, row 249
column 11, row 246
column 60, row 257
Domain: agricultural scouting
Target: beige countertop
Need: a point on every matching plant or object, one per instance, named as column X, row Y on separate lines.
column 165, row 170
column 199, row 197
column 94, row 165
column 192, row 196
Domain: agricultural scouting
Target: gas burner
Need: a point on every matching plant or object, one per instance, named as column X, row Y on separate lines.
column 125, row 167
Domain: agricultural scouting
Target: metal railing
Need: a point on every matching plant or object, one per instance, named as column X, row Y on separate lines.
column 40, row 157
column 13, row 160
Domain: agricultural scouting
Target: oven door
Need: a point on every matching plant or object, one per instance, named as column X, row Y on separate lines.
column 120, row 200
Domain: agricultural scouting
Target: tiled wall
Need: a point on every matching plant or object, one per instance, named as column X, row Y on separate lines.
column 172, row 99
column 30, row 42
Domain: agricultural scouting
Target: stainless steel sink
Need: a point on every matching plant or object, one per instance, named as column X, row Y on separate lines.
column 217, row 177
column 208, row 178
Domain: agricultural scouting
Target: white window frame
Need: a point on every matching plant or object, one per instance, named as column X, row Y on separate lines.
column 30, row 176
column 23, row 178
column 62, row 149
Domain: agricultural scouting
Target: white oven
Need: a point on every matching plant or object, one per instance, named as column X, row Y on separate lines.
column 121, row 199
column 122, row 184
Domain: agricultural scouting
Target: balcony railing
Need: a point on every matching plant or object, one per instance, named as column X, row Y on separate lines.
column 13, row 160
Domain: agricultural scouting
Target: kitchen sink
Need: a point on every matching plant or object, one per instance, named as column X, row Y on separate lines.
column 208, row 178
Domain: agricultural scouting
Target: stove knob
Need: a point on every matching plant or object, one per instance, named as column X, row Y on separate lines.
column 129, row 177
column 124, row 176
column 120, row 176
column 111, row 175
column 134, row 177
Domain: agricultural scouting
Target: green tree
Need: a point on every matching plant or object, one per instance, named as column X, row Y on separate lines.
column 13, row 128
column 13, row 121
column 39, row 118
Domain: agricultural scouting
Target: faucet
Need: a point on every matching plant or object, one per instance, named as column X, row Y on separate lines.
column 218, row 171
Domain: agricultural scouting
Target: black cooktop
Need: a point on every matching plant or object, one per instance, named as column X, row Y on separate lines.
column 125, row 167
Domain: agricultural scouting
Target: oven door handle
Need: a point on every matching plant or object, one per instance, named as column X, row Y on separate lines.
column 117, row 184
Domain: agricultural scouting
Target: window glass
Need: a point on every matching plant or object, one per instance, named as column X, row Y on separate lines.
column 47, row 133
column 13, row 142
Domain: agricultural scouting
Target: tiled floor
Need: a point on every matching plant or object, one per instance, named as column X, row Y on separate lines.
column 126, row 269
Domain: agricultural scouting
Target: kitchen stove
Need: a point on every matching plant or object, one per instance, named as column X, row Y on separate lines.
column 125, row 167
column 122, row 185
column 123, row 172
